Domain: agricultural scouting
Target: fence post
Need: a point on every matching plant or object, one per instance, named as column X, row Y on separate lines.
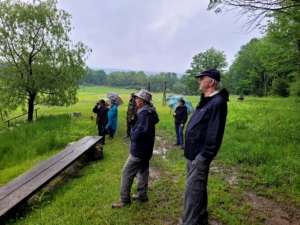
column 164, row 93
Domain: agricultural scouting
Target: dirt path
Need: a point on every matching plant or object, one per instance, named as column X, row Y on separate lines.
column 263, row 210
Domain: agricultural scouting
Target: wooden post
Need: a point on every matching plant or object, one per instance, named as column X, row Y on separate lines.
column 164, row 93
column 148, row 87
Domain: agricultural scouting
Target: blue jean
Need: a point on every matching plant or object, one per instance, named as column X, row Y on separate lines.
column 179, row 134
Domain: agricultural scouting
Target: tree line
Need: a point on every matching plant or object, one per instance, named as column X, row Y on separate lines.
column 135, row 80
column 269, row 65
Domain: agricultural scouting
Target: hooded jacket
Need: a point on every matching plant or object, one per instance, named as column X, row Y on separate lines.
column 143, row 132
column 205, row 129
column 180, row 114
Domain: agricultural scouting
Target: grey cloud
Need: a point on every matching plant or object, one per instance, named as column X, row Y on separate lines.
column 161, row 35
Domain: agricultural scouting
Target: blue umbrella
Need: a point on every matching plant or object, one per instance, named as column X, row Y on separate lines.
column 172, row 102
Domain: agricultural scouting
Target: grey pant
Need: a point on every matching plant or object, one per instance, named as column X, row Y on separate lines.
column 195, row 199
column 134, row 167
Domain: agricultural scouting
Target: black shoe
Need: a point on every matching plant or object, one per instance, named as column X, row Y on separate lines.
column 139, row 199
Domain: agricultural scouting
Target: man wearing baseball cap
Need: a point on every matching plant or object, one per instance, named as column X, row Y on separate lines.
column 142, row 138
column 203, row 139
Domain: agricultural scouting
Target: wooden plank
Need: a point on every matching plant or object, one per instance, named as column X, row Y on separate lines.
column 40, row 168
column 28, row 183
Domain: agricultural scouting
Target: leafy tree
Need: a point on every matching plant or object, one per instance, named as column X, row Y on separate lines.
column 270, row 64
column 179, row 87
column 258, row 9
column 96, row 77
column 248, row 72
column 157, row 81
column 130, row 79
column 39, row 62
column 280, row 87
column 210, row 59
column 295, row 88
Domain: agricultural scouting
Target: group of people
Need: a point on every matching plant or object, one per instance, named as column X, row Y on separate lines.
column 107, row 118
column 203, row 138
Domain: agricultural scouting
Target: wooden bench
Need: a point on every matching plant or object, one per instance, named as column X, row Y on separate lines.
column 25, row 185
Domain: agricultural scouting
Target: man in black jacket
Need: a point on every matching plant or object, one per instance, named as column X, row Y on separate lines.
column 180, row 117
column 142, row 142
column 203, row 139
column 102, row 119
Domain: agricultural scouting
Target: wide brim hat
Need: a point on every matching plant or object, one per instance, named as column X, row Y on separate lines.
column 144, row 94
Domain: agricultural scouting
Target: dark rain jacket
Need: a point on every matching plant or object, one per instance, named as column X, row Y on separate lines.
column 102, row 116
column 131, row 110
column 143, row 133
column 205, row 129
column 181, row 114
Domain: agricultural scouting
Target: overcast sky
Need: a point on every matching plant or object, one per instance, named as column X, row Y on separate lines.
column 153, row 35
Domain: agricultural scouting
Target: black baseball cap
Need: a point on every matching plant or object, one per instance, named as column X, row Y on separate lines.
column 212, row 73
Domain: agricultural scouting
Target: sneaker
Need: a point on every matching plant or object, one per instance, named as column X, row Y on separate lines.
column 139, row 199
column 119, row 205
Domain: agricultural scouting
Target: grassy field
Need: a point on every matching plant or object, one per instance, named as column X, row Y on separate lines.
column 261, row 148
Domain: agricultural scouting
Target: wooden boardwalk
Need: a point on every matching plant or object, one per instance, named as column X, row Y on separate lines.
column 28, row 183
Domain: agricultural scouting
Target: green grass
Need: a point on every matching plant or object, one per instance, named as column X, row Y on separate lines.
column 261, row 141
column 262, row 136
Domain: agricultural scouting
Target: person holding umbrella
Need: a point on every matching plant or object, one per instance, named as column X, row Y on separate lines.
column 180, row 117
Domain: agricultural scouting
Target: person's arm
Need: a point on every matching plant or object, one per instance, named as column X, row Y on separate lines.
column 95, row 109
column 214, row 133
column 140, row 127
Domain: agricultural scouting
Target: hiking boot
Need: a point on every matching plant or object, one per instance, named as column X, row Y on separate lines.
column 119, row 205
column 139, row 199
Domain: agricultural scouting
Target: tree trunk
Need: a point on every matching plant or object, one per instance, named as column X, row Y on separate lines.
column 31, row 106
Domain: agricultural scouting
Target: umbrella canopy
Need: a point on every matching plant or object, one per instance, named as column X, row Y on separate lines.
column 172, row 102
column 114, row 97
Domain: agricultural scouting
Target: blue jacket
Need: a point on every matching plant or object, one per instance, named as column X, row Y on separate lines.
column 205, row 129
column 143, row 133
column 113, row 117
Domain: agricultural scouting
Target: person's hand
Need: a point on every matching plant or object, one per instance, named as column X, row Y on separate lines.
column 182, row 125
column 198, row 161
